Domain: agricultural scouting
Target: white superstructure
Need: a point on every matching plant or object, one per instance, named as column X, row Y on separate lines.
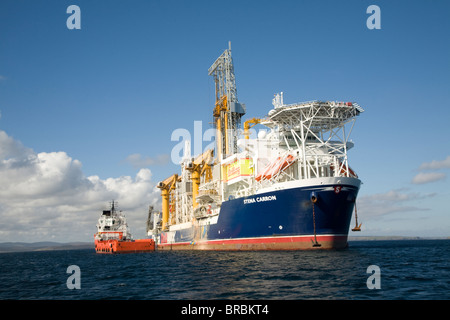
column 112, row 225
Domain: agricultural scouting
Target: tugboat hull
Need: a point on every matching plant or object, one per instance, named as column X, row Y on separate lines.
column 117, row 246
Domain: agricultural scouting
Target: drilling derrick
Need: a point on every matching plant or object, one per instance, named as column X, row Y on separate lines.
column 227, row 111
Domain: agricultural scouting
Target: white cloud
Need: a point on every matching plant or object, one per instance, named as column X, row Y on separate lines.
column 435, row 165
column 46, row 196
column 426, row 177
column 393, row 201
column 11, row 148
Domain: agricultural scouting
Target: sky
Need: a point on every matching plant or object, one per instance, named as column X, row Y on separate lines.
column 87, row 115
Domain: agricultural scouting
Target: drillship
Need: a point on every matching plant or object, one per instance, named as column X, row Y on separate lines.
column 288, row 187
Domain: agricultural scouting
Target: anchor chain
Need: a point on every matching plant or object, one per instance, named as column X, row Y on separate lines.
column 314, row 200
column 356, row 228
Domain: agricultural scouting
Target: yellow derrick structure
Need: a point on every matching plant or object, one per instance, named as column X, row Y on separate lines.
column 220, row 115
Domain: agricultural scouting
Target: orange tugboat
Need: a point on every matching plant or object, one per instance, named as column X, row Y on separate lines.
column 113, row 235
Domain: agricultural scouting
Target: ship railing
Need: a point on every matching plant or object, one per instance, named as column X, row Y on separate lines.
column 277, row 168
column 245, row 192
column 305, row 103
column 320, row 166
column 209, row 186
column 318, row 103
column 208, row 192
column 358, row 107
column 110, row 235
column 316, row 166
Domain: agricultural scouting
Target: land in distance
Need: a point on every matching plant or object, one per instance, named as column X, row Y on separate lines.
column 43, row 246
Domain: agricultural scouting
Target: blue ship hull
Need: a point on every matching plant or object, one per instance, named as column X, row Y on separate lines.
column 287, row 219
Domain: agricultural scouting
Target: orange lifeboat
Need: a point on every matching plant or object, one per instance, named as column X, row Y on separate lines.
column 274, row 168
column 344, row 171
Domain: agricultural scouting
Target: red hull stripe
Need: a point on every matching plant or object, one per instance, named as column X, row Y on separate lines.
column 262, row 240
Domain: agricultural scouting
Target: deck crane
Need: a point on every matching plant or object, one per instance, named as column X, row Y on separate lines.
column 167, row 186
column 199, row 167
column 250, row 124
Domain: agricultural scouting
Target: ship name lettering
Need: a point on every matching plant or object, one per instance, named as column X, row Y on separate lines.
column 260, row 199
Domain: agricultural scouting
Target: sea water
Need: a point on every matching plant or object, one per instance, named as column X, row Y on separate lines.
column 407, row 269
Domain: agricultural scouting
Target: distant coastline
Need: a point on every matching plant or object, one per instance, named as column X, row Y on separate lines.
column 52, row 246
column 378, row 238
column 43, row 246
